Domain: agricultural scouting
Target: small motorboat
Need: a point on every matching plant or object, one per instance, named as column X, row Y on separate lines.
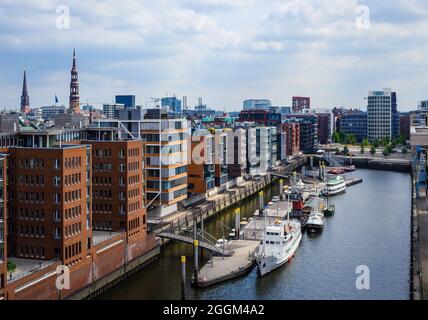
column 350, row 168
column 222, row 243
column 329, row 210
column 275, row 199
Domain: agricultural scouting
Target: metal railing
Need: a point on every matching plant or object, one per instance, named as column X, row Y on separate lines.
column 22, row 273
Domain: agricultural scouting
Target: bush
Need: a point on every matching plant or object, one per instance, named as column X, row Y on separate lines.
column 11, row 266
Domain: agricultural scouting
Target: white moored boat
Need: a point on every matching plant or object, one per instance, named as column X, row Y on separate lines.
column 315, row 221
column 280, row 242
column 335, row 186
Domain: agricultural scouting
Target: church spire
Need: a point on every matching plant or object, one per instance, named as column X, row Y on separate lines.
column 74, row 106
column 25, row 99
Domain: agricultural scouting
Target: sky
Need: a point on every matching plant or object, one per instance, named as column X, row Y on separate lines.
column 225, row 51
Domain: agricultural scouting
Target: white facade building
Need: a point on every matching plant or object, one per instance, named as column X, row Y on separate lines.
column 379, row 114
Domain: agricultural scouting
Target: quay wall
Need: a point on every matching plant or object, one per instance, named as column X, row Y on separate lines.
column 109, row 263
column 398, row 165
column 416, row 292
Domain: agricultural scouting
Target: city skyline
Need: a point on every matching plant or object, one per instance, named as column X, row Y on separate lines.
column 223, row 52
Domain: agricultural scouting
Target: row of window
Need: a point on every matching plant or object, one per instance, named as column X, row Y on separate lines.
column 101, row 180
column 73, row 162
column 31, row 197
column 31, row 180
column 31, row 231
column 71, row 179
column 101, row 207
column 73, row 229
column 102, row 194
column 31, row 214
column 30, row 251
column 132, row 207
column 73, row 212
column 31, row 163
column 74, row 195
column 73, row 250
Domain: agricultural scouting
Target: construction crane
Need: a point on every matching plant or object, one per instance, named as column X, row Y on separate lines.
column 156, row 101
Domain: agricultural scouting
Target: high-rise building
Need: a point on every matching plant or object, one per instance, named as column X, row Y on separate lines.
column 50, row 203
column 354, row 123
column 74, row 106
column 111, row 111
column 127, row 100
column 25, row 99
column 301, row 103
column 201, row 168
column 292, row 136
column 405, row 125
column 257, row 104
column 324, row 127
column 395, row 116
column 379, row 114
column 3, row 223
column 261, row 117
column 117, row 187
column 172, row 103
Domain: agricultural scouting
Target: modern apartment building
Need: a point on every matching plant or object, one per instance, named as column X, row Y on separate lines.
column 49, row 203
column 165, row 145
column 266, row 148
column 127, row 100
column 201, row 168
column 257, row 104
column 300, row 104
column 3, row 223
column 379, row 114
column 237, row 153
column 111, row 111
column 292, row 136
column 221, row 158
column 405, row 125
column 117, row 187
column 354, row 123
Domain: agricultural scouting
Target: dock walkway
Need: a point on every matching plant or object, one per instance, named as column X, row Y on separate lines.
column 221, row 269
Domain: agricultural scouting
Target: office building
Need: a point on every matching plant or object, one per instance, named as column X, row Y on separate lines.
column 257, row 104
column 111, row 111
column 300, row 104
column 261, row 117
column 405, row 125
column 128, row 101
column 117, row 187
column 201, row 168
column 172, row 104
column 379, row 114
column 354, row 123
column 292, row 136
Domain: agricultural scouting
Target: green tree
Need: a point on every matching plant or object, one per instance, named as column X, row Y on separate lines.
column 375, row 143
column 386, row 152
column 362, row 148
column 336, row 137
column 366, row 143
column 404, row 151
column 373, row 151
column 11, row 266
column 345, row 151
column 337, row 151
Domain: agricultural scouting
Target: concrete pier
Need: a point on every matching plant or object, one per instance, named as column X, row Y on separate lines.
column 221, row 269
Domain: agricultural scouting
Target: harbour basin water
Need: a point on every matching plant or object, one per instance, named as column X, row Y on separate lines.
column 371, row 228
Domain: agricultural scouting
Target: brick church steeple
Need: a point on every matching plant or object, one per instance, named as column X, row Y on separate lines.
column 74, row 106
column 25, row 99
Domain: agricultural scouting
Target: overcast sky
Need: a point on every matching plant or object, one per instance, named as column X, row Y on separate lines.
column 225, row 51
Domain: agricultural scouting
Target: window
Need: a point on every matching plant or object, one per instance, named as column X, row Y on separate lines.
column 57, row 164
column 57, row 181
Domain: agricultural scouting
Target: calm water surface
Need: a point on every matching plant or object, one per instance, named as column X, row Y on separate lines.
column 371, row 227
